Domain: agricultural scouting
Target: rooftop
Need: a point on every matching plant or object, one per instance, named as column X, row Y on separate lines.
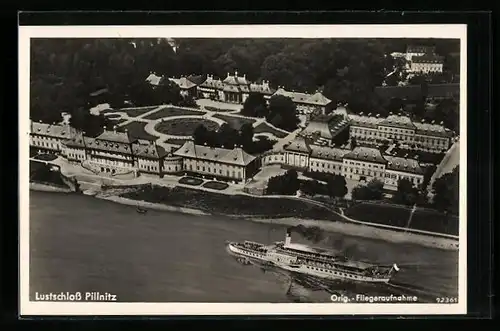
column 115, row 136
column 151, row 151
column 427, row 59
column 399, row 121
column 212, row 83
column 52, row 130
column 403, row 165
column 235, row 156
column 328, row 153
column 314, row 99
column 153, row 79
column 236, row 80
column 365, row 154
column 371, row 121
column 420, row 49
column 299, row 144
column 183, row 83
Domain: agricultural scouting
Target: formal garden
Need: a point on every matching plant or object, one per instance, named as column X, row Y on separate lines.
column 184, row 126
column 266, row 128
column 173, row 111
column 136, row 130
column 233, row 121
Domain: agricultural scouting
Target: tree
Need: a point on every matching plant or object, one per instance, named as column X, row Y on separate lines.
column 253, row 105
column 406, row 193
column 227, row 136
column 354, row 143
column 282, row 113
column 246, row 135
column 286, row 184
column 200, row 135
column 337, row 186
column 374, row 190
column 447, row 192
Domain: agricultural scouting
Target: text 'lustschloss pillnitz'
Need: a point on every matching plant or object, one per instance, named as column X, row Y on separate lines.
column 75, row 296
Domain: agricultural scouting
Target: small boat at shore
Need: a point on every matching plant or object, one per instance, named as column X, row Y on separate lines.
column 141, row 210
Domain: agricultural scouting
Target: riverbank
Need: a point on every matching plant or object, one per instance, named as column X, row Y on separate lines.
column 49, row 188
column 329, row 226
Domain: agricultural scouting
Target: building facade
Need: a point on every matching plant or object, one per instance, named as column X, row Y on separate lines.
column 416, row 135
column 418, row 50
column 49, row 137
column 218, row 163
column 187, row 87
column 308, row 103
column 427, row 64
column 359, row 164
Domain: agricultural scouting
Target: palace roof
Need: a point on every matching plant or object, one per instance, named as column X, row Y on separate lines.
column 427, row 59
column 317, row 126
column 328, row 153
column 365, row 121
column 263, row 88
column 299, row 145
column 108, row 146
column 235, row 156
column 115, row 136
column 403, row 165
column 420, row 49
column 78, row 141
column 212, row 83
column 398, row 121
column 236, row 80
column 366, row 154
column 183, row 83
column 52, row 130
column 150, row 151
column 431, row 129
column 313, row 99
column 153, row 79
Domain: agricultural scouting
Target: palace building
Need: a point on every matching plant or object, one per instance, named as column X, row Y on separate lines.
column 427, row 64
column 49, row 137
column 308, row 103
column 359, row 164
column 187, row 87
column 417, row 135
column 416, row 50
column 219, row 163
column 233, row 89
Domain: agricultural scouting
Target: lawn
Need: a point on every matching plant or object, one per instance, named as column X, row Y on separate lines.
column 45, row 157
column 134, row 112
column 264, row 127
column 136, row 130
column 172, row 111
column 234, row 122
column 116, row 122
column 216, row 185
column 217, row 203
column 184, row 126
column 220, row 110
column 190, row 181
column 423, row 219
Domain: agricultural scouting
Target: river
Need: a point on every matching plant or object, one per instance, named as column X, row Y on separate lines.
column 80, row 243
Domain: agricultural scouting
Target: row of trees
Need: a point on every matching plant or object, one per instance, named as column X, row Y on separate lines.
column 289, row 183
column 446, row 193
column 228, row 137
column 281, row 112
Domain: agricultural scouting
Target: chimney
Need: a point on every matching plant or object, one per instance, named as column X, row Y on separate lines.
column 228, row 74
column 244, row 76
column 288, row 238
column 236, row 73
column 114, row 128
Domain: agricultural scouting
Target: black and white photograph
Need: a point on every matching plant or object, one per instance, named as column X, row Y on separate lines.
column 217, row 169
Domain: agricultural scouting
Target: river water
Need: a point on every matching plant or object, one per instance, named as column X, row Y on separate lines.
column 80, row 243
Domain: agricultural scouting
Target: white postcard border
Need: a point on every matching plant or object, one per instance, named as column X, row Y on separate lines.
column 458, row 31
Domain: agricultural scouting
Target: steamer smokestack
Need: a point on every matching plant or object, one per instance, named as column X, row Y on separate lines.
column 288, row 238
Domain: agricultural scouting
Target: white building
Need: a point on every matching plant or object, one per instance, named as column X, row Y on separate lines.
column 427, row 64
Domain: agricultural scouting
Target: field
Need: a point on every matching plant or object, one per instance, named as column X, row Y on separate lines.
column 184, row 126
column 217, row 203
column 426, row 220
column 264, row 127
column 136, row 130
column 172, row 111
column 234, row 122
